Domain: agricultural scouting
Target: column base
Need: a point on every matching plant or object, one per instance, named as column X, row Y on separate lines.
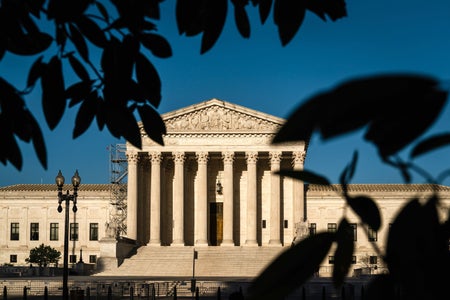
column 251, row 243
column 274, row 243
column 201, row 243
column 227, row 243
column 177, row 243
column 155, row 243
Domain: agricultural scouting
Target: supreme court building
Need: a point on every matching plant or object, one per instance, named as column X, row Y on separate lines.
column 213, row 182
column 211, row 194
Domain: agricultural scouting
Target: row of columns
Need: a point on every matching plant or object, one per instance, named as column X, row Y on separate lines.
column 201, row 199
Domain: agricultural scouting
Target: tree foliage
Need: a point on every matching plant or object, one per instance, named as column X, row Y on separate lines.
column 43, row 255
column 395, row 110
column 62, row 36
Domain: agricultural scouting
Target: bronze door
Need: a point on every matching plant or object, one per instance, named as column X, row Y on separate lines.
column 216, row 223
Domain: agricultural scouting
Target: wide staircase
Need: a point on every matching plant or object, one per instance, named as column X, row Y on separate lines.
column 237, row 262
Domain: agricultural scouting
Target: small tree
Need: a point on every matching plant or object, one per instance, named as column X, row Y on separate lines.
column 43, row 255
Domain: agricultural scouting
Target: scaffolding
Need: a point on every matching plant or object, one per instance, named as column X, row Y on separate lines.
column 117, row 224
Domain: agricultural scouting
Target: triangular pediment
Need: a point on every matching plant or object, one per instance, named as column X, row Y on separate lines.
column 220, row 116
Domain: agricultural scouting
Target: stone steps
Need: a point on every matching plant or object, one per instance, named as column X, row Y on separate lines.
column 242, row 262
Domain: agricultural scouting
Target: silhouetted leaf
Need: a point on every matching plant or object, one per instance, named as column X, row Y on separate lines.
column 417, row 250
column 292, row 268
column 122, row 123
column 151, row 9
column 35, row 7
column 2, row 48
column 53, row 100
column 128, row 52
column 264, row 9
column 156, row 44
column 304, row 175
column 430, row 144
column 79, row 42
column 38, row 140
column 214, row 20
column 148, row 80
column 347, row 174
column 78, row 92
column 9, row 151
column 29, row 44
column 189, row 15
column 335, row 9
column 101, row 8
column 78, row 68
column 414, row 103
column 67, row 10
column 366, row 208
column 288, row 16
column 344, row 252
column 61, row 36
column 154, row 125
column 91, row 31
column 241, row 18
column 85, row 115
column 402, row 250
column 101, row 114
column 36, row 71
column 381, row 287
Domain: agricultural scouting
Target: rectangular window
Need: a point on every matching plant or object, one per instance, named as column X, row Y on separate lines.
column 286, row 224
column 312, row 228
column 92, row 259
column 354, row 231
column 54, row 231
column 93, row 231
column 34, row 231
column 353, row 259
column 332, row 227
column 263, row 223
column 372, row 234
column 13, row 258
column 14, row 231
column 72, row 259
column 74, row 231
column 373, row 260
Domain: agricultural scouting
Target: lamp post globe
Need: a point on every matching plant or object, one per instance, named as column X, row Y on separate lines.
column 76, row 180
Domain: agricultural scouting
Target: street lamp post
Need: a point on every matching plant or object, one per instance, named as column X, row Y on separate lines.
column 67, row 198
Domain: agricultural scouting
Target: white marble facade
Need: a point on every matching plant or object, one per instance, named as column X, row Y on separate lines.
column 213, row 181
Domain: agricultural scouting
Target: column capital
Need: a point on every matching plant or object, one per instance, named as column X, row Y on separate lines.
column 275, row 157
column 132, row 157
column 155, row 157
column 179, row 157
column 251, row 156
column 298, row 157
column 228, row 157
column 202, row 157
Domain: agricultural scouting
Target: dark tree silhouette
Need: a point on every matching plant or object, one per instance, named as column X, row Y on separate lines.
column 124, row 81
column 396, row 110
column 43, row 255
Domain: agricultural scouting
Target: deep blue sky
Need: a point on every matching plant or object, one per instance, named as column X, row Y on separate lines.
column 376, row 37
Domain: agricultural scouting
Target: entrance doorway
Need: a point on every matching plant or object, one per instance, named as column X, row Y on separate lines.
column 215, row 223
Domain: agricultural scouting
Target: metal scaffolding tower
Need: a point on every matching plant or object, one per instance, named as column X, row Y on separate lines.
column 117, row 225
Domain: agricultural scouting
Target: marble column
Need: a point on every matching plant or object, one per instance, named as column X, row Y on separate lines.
column 132, row 189
column 228, row 158
column 155, row 199
column 201, row 201
column 178, row 199
column 298, row 159
column 252, row 158
column 275, row 222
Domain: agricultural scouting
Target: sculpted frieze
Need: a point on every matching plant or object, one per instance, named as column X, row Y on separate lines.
column 216, row 118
